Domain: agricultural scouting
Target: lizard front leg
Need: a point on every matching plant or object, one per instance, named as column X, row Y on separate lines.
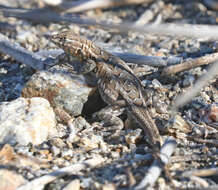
column 109, row 115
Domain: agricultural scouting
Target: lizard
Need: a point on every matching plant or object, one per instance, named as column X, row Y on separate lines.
column 118, row 86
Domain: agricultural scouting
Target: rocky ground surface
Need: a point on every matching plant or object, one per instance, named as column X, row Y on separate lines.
column 46, row 116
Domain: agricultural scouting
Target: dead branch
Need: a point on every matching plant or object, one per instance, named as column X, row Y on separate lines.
column 212, row 187
column 84, row 5
column 198, row 180
column 155, row 170
column 39, row 183
column 201, row 82
column 153, row 61
column 21, row 54
column 206, row 32
column 193, row 157
column 150, row 13
column 190, row 64
column 43, row 15
column 213, row 142
column 201, row 172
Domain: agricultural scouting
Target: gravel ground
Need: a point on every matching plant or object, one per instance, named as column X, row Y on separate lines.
column 122, row 152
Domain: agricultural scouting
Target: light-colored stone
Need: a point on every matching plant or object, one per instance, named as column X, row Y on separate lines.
column 53, row 2
column 89, row 142
column 109, row 186
column 9, row 157
column 10, row 180
column 24, row 121
column 178, row 124
column 73, row 185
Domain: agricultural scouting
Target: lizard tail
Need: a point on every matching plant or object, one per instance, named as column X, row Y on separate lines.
column 142, row 116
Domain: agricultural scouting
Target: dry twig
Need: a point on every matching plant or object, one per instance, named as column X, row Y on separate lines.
column 190, row 64
column 40, row 182
column 198, row 180
column 153, row 61
column 21, row 54
column 212, row 187
column 193, row 157
column 155, row 170
column 213, row 142
column 150, row 13
column 206, row 32
column 81, row 5
column 201, row 82
column 201, row 172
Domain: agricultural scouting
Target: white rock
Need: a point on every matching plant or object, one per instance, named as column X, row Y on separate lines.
column 26, row 120
column 10, row 180
column 53, row 2
column 73, row 185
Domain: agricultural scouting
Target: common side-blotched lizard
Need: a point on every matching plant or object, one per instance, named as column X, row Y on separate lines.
column 117, row 84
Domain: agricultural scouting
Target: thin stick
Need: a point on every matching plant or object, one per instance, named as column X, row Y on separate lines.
column 201, row 172
column 198, row 180
column 190, row 64
column 81, row 5
column 21, row 54
column 39, row 183
column 150, row 13
column 213, row 142
column 201, row 82
column 153, row 61
column 193, row 157
column 155, row 170
column 206, row 32
column 212, row 187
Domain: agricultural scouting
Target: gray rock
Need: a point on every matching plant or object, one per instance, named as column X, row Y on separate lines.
column 61, row 88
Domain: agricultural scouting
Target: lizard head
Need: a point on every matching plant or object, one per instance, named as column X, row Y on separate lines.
column 74, row 45
column 67, row 41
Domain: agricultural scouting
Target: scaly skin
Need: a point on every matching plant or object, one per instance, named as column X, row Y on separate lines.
column 117, row 83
